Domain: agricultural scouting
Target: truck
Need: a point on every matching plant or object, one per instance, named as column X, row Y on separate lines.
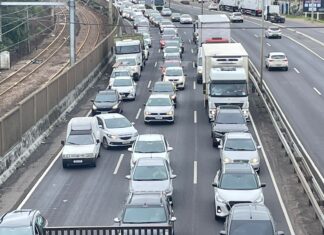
column 272, row 13
column 155, row 4
column 212, row 28
column 127, row 45
column 225, row 77
column 228, row 5
column 252, row 7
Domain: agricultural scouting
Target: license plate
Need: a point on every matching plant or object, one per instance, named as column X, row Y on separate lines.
column 127, row 142
column 77, row 161
column 158, row 117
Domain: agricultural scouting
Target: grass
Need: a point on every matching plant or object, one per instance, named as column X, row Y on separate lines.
column 305, row 18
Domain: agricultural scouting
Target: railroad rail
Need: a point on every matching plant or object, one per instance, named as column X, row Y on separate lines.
column 306, row 171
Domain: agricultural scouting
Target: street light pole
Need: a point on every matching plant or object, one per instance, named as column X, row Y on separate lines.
column 202, row 7
column 312, row 12
column 262, row 47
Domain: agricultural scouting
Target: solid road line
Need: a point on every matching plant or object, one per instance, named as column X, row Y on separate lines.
column 138, row 113
column 193, row 64
column 118, row 163
column 155, row 64
column 319, row 93
column 255, row 35
column 283, row 207
column 268, row 44
column 296, row 70
column 194, row 85
column 149, row 84
column 195, row 116
column 195, row 173
column 192, row 51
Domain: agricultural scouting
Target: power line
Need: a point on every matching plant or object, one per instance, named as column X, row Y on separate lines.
column 11, row 13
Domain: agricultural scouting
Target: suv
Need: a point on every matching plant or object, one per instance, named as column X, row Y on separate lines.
column 146, row 209
column 24, row 221
column 236, row 183
column 227, row 120
column 248, row 218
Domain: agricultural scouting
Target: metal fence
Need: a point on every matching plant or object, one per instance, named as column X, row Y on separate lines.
column 110, row 230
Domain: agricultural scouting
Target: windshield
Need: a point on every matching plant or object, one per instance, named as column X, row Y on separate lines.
column 172, row 44
column 171, row 50
column 105, row 98
column 238, row 181
column 159, row 102
column 159, row 2
column 230, row 118
column 149, row 147
column 173, row 72
column 172, row 57
column 119, row 74
column 163, row 88
column 16, row 231
column 117, row 123
column 199, row 61
column 278, row 57
column 239, row 145
column 247, row 227
column 122, row 82
column 128, row 49
column 228, row 90
column 79, row 140
column 144, row 215
column 127, row 62
column 150, row 173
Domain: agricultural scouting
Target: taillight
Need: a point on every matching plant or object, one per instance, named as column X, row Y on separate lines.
column 270, row 60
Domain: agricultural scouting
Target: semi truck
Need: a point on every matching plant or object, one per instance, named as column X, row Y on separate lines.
column 253, row 7
column 225, row 77
column 228, row 5
column 272, row 13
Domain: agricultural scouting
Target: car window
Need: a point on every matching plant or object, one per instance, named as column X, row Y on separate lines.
column 144, row 215
column 100, row 122
column 119, row 74
column 239, row 145
column 149, row 147
column 173, row 72
column 171, row 50
column 122, row 82
column 159, row 102
column 16, row 230
column 238, row 181
column 278, row 57
column 127, row 62
column 85, row 139
column 230, row 118
column 117, row 123
column 247, row 227
column 150, row 173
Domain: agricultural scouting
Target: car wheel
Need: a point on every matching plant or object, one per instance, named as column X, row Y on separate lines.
column 269, row 68
column 94, row 164
column 286, row 69
column 215, row 143
column 105, row 143
column 64, row 164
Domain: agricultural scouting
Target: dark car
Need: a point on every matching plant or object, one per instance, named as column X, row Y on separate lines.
column 165, row 88
column 227, row 120
column 276, row 18
column 250, row 218
column 107, row 101
column 24, row 222
column 175, row 17
column 146, row 209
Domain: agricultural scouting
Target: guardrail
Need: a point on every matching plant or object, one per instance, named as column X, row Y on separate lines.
column 109, row 230
column 308, row 175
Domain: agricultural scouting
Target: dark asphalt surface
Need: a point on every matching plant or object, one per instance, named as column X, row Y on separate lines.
column 94, row 196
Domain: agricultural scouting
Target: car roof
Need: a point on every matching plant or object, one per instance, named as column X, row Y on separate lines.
column 150, row 137
column 277, row 53
column 159, row 96
column 110, row 115
column 237, row 168
column 250, row 211
column 17, row 218
column 239, row 135
column 145, row 199
column 155, row 161
column 174, row 68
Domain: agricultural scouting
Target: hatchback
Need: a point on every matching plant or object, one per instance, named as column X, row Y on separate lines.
column 276, row 60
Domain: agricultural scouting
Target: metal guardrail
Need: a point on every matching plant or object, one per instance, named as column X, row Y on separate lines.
column 308, row 175
column 109, row 230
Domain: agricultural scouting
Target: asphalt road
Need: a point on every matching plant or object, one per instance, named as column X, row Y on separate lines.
column 94, row 196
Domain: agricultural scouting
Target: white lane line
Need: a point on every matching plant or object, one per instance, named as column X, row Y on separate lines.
column 195, row 173
column 255, row 35
column 149, row 84
column 118, row 163
column 193, row 64
column 159, row 50
column 155, row 64
column 192, row 51
column 194, row 85
column 195, row 116
column 243, row 29
column 189, row 41
column 138, row 113
column 319, row 93
column 296, row 70
column 283, row 207
column 184, row 32
column 268, row 44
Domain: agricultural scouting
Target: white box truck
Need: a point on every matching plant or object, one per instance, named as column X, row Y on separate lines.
column 228, row 5
column 225, row 76
column 252, row 7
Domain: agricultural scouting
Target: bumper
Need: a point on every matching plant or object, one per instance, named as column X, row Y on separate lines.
column 274, row 35
column 78, row 161
column 120, row 142
column 158, row 118
column 222, row 210
column 127, row 96
column 100, row 111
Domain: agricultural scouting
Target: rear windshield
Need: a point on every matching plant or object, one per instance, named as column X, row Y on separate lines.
column 248, row 227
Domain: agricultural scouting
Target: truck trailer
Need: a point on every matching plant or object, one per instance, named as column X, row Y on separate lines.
column 228, row 5
column 252, row 7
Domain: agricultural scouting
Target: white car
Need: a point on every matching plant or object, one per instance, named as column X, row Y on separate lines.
column 273, row 32
column 147, row 39
column 125, row 86
column 175, row 75
column 119, row 72
column 185, row 19
column 166, row 12
column 148, row 146
column 276, row 60
column 240, row 147
column 116, row 130
column 236, row 17
column 159, row 108
column 213, row 7
column 171, row 50
column 131, row 63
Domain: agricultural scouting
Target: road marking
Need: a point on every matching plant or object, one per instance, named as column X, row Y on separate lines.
column 149, row 84
column 138, row 113
column 283, row 207
column 296, row 70
column 255, row 35
column 195, row 116
column 192, row 51
column 319, row 93
column 268, row 44
column 193, row 64
column 155, row 64
column 118, row 163
column 195, row 173
column 243, row 29
column 159, row 50
column 184, row 32
column 194, row 85
column 189, row 41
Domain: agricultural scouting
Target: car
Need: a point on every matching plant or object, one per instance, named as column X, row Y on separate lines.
column 172, row 50
column 137, row 20
column 159, row 108
column 147, row 209
column 107, row 101
column 276, row 60
column 175, row 17
column 119, row 72
column 165, row 88
column 116, row 130
column 185, row 19
column 170, row 31
column 147, row 12
column 169, row 63
column 147, row 39
column 236, row 17
column 213, row 7
column 198, row 65
column 236, row 183
column 132, row 63
column 273, row 32
column 164, row 38
column 135, row 13
column 127, row 13
column 175, row 41
column 148, row 146
column 246, row 218
column 166, row 12
column 172, row 57
column 240, row 147
column 23, row 222
column 175, row 75
column 125, row 86
column 152, row 175
column 227, row 120
column 276, row 18
column 143, row 26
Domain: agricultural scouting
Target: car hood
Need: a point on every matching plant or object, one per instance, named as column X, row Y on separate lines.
column 158, row 109
column 149, row 186
column 230, row 128
column 239, row 195
column 173, row 77
column 122, row 89
column 240, row 155
column 104, row 104
column 122, row 131
column 78, row 149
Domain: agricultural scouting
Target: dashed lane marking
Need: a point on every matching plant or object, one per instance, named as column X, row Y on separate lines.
column 296, row 70
column 195, row 173
column 118, row 163
column 138, row 113
column 319, row 93
column 149, row 84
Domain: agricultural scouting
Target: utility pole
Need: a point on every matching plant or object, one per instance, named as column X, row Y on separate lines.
column 202, row 7
column 262, row 47
column 0, row 24
column 312, row 12
column 27, row 28
column 72, row 31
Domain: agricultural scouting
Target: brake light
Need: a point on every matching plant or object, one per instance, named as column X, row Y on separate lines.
column 285, row 60
column 270, row 60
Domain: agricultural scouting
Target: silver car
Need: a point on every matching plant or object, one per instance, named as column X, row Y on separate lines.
column 240, row 147
column 125, row 86
column 165, row 88
column 152, row 175
column 173, row 50
column 159, row 108
column 175, row 75
column 236, row 17
column 273, row 32
column 185, row 19
column 236, row 183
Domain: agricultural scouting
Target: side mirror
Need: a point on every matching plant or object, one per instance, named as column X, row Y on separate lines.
column 173, row 176
column 215, row 184
column 62, row 142
column 109, row 87
column 133, row 123
column 116, row 220
column 173, row 219
column 222, row 232
column 170, row 149
column 144, row 104
column 128, row 177
column 195, row 64
column 150, row 90
column 130, row 149
column 220, row 146
column 92, row 100
column 263, row 185
column 259, row 147
column 98, row 141
column 138, row 63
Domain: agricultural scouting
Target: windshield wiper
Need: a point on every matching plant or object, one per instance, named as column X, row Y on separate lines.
column 72, row 143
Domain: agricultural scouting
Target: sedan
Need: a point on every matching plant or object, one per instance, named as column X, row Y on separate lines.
column 126, row 87
column 148, row 146
column 116, row 130
column 108, row 101
column 175, row 75
column 175, row 17
column 169, row 63
column 273, row 32
column 213, row 7
column 172, row 50
column 119, row 72
column 185, row 19
column 147, row 39
column 165, row 88
column 159, row 108
column 240, row 147
column 166, row 12
column 276, row 60
column 152, row 175
column 236, row 17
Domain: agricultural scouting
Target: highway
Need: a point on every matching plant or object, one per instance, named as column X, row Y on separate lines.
column 94, row 196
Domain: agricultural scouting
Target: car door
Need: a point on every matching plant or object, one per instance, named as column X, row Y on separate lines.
column 101, row 128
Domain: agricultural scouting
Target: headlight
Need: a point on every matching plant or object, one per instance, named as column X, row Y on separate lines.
column 254, row 160
column 135, row 134
column 112, row 136
column 173, row 96
column 227, row 160
column 115, row 106
column 212, row 112
column 219, row 198
column 260, row 199
column 170, row 113
column 94, row 107
column 147, row 113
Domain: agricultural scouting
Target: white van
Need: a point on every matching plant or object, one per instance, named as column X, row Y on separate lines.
column 82, row 144
column 199, row 66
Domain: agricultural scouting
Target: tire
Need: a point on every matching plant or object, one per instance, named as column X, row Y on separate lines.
column 105, row 143
column 64, row 164
column 94, row 164
column 215, row 144
column 286, row 69
column 269, row 68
